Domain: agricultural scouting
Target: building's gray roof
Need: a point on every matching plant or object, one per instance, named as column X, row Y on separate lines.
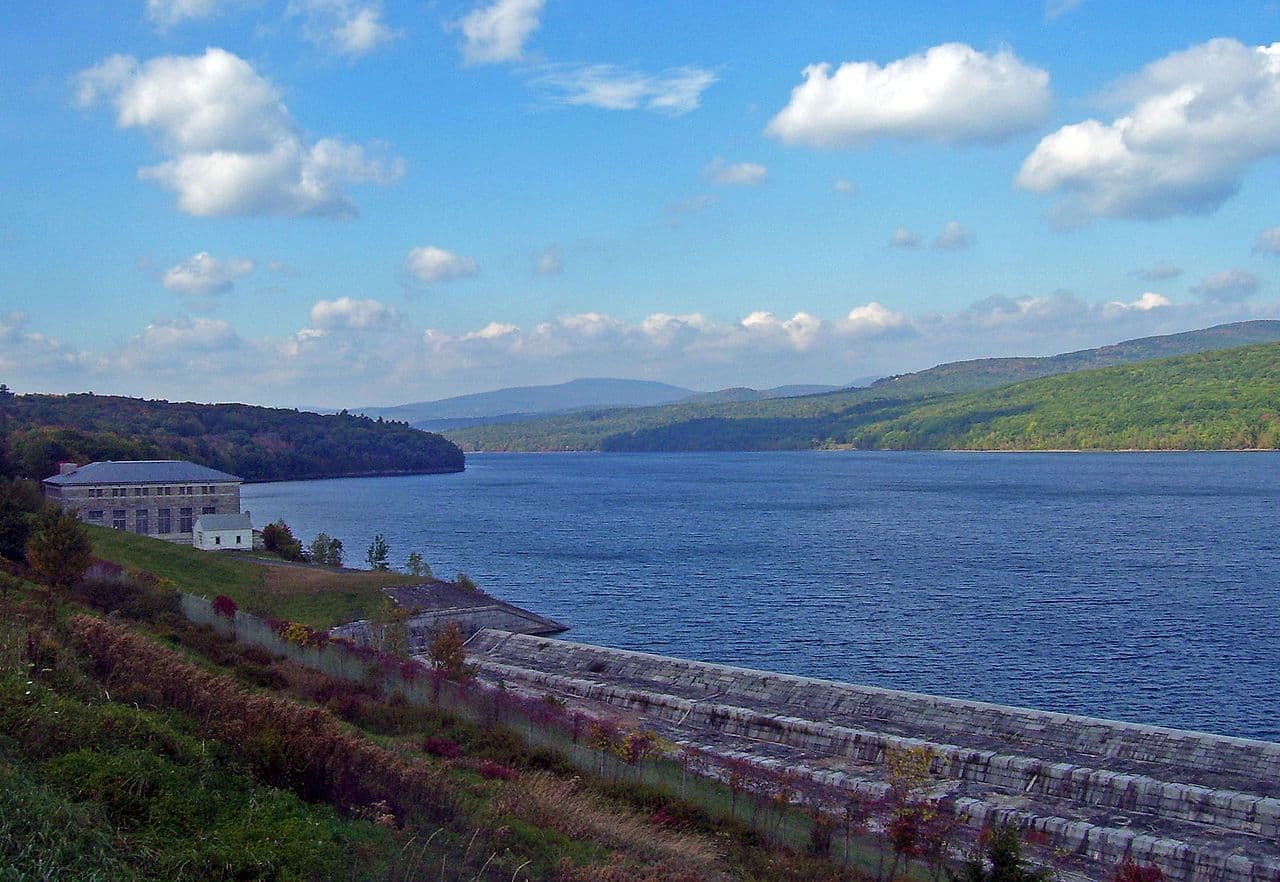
column 155, row 471
column 224, row 522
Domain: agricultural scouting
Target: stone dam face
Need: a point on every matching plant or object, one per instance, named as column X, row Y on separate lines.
column 1204, row 808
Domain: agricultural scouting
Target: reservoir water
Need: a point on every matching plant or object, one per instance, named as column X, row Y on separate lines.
column 1131, row 586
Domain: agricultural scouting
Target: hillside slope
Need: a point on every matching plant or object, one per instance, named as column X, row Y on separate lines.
column 1227, row 399
column 256, row 443
column 817, row 420
column 522, row 400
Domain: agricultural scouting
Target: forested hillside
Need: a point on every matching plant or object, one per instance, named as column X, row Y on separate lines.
column 826, row 419
column 256, row 443
column 1228, row 399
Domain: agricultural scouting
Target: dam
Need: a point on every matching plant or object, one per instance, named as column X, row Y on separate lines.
column 1202, row 807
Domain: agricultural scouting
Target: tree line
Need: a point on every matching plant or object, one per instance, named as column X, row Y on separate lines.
column 256, row 443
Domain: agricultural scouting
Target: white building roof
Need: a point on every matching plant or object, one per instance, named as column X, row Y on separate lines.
column 210, row 522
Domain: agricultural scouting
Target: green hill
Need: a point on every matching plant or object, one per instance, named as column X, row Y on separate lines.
column 826, row 419
column 1228, row 399
column 256, row 443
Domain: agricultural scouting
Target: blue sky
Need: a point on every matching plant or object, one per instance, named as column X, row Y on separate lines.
column 345, row 202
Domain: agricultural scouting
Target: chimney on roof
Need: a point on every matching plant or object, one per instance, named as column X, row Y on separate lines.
column 66, row 468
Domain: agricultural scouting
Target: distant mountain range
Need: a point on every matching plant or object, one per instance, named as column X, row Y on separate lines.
column 829, row 418
column 524, row 403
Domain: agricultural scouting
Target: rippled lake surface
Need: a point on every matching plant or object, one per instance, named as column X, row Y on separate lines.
column 1139, row 587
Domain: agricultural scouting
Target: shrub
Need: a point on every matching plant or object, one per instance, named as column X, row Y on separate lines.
column 442, row 748
column 496, row 771
column 1128, row 871
column 225, row 606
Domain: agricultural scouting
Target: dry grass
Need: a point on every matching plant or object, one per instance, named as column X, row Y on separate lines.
column 547, row 801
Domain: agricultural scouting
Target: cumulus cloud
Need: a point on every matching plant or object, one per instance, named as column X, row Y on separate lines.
column 1196, row 120
column 953, row 237
column 232, row 146
column 737, row 174
column 1268, row 241
column 1227, row 286
column 352, row 314
column 846, row 187
column 1148, row 301
column 550, row 262
column 904, row 238
column 1160, row 272
column 430, row 264
column 205, row 359
column 497, row 33
column 202, row 276
column 191, row 339
column 166, row 13
column 951, row 94
column 349, row 27
column 673, row 92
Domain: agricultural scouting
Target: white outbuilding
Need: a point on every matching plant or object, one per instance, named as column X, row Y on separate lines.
column 224, row 532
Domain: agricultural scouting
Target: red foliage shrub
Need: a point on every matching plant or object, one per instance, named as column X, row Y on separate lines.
column 225, row 606
column 496, row 771
column 442, row 748
column 1131, row 872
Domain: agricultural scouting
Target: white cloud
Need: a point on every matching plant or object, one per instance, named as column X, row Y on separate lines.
column 953, row 237
column 1268, row 241
column 206, row 359
column 846, row 187
column 1148, row 301
column 737, row 174
column 550, row 262
column 201, row 276
column 348, row 313
column 350, row 27
column 1054, row 9
column 673, row 92
column 872, row 319
column 233, row 147
column 904, row 238
column 498, row 32
column 166, row 13
column 1196, row 120
column 430, row 265
column 1227, row 286
column 163, row 337
column 950, row 93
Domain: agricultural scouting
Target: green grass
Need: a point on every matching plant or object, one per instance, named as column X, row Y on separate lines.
column 317, row 596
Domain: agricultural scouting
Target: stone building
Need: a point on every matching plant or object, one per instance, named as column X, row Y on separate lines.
column 159, row 498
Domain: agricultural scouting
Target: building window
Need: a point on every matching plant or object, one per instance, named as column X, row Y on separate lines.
column 238, row 538
column 184, row 520
column 95, row 516
column 209, row 509
column 95, row 492
column 119, row 491
column 164, row 521
column 117, row 518
column 142, row 522
column 217, row 540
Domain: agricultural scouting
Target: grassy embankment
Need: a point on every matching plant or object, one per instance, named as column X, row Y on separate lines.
column 149, row 747
column 320, row 597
